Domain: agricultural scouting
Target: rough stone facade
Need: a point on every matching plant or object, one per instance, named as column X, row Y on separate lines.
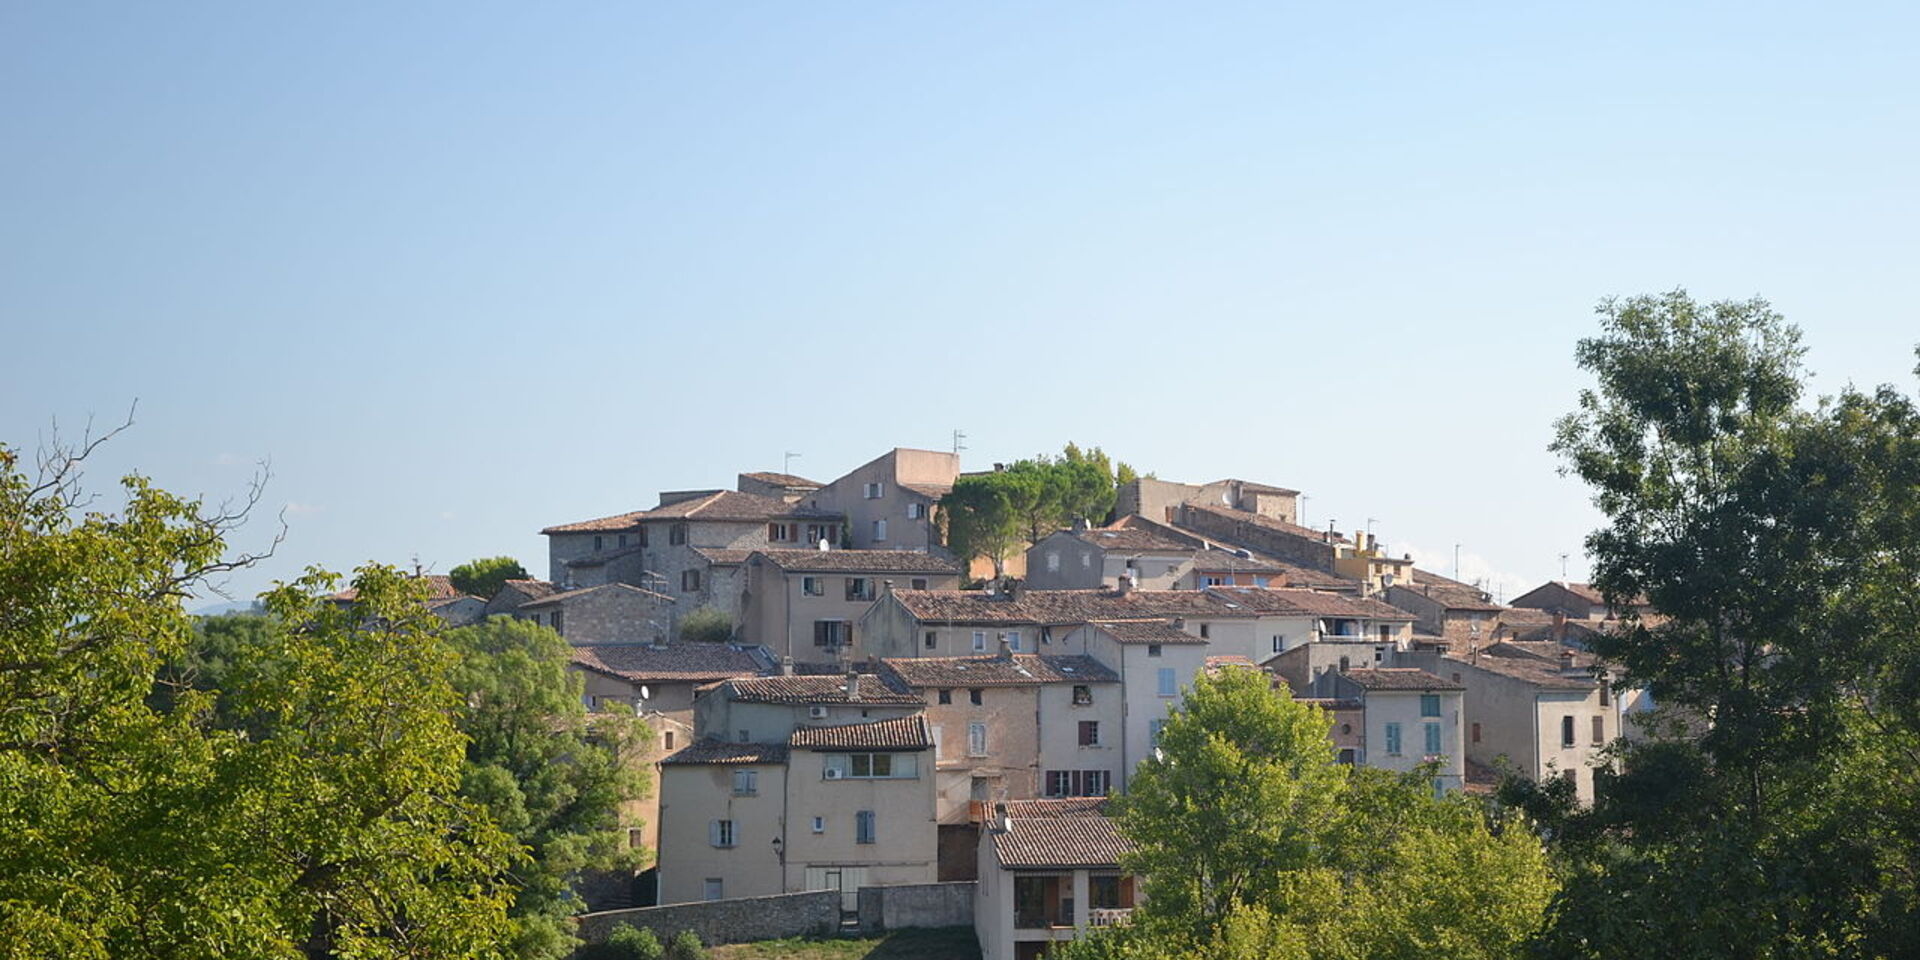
column 740, row 920
column 1291, row 547
column 916, row 905
column 614, row 613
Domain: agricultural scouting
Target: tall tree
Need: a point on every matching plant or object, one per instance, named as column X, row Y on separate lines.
column 145, row 826
column 1774, row 539
column 980, row 520
column 485, row 576
column 1255, row 842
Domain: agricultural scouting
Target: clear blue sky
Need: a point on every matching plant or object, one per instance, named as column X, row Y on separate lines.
column 465, row 270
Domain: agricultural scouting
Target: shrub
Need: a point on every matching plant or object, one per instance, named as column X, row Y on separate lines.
column 706, row 625
column 625, row 943
column 686, row 945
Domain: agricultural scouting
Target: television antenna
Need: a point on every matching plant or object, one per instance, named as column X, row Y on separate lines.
column 1563, row 566
column 787, row 465
column 959, row 441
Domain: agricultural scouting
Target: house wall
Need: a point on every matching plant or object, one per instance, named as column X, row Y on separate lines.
column 691, row 796
column 1141, row 702
column 781, row 615
column 916, row 905
column 1305, row 551
column 904, row 847
column 1008, row 767
column 1582, row 706
column 1153, row 499
column 1403, row 707
column 718, row 718
column 562, row 547
column 1303, row 665
column 611, row 615
column 1079, row 565
column 1059, row 731
column 671, row 560
column 892, row 469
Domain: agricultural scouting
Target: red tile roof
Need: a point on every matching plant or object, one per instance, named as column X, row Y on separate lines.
column 643, row 663
column 901, row 733
column 534, row 589
column 1145, row 631
column 1061, row 606
column 1057, row 807
column 720, row 505
column 782, row 480
column 439, row 587
column 1399, row 678
column 861, row 561
column 1021, row 669
column 1264, row 522
column 619, row 521
column 818, row 689
column 1060, row 842
column 1286, row 601
column 624, row 588
column 720, row 751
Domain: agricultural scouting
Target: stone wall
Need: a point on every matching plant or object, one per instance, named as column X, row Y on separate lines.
column 739, row 920
column 1251, row 534
column 916, row 905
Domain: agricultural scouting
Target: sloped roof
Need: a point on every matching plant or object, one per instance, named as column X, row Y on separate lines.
column 645, row 663
column 1133, row 539
column 900, row 733
column 720, row 751
column 1021, row 669
column 1264, row 522
column 1539, row 673
column 619, row 521
column 1399, row 678
column 860, row 561
column 439, row 587
column 567, row 595
column 534, row 589
column 1451, row 594
column 1061, row 606
column 720, row 505
column 1145, row 631
column 719, row 557
column 1312, row 603
column 1057, row 807
column 818, row 689
column 782, row 479
column 1060, row 842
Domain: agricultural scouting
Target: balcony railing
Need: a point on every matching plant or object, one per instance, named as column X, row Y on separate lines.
column 1108, row 916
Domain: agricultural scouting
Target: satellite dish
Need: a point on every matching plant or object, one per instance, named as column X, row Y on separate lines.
column 645, row 694
column 824, row 546
column 1226, row 497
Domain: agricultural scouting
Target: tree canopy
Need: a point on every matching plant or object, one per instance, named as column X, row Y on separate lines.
column 1780, row 543
column 1255, row 842
column 994, row 514
column 485, row 576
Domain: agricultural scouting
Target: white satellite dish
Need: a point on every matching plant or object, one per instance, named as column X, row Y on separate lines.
column 823, row 545
column 645, row 694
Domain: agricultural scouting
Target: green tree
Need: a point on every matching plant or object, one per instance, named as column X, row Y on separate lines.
column 485, row 576
column 706, row 625
column 980, row 520
column 1778, row 542
column 994, row 514
column 625, row 943
column 550, row 774
column 142, row 825
column 1255, row 842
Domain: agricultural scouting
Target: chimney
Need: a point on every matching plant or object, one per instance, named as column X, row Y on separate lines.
column 1126, row 581
column 853, row 684
column 1560, row 626
column 1566, row 663
column 1000, row 817
column 1006, row 647
column 786, row 666
column 1011, row 588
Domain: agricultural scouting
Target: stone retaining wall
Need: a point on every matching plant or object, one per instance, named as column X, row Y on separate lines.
column 738, row 920
column 916, row 905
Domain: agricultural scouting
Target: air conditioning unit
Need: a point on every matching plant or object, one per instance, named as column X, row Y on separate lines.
column 834, row 773
column 816, row 711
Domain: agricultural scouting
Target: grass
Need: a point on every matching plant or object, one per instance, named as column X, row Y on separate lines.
column 945, row 943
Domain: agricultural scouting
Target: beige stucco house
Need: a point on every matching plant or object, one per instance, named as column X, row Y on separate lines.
column 804, row 604
column 1408, row 717
column 1049, row 871
column 1546, row 718
column 889, row 501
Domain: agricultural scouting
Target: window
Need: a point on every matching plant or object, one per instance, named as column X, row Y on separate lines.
column 831, row 633
column 932, row 639
column 1566, row 732
column 946, row 696
column 596, row 544
column 1429, row 704
column 879, row 530
column 1259, row 581
column 916, row 510
column 979, row 641
column 1599, row 730
column 1169, row 686
column 817, row 532
column 1433, row 739
column 859, row 588
column 976, row 739
column 1154, row 729
column 1103, row 893
column 715, row 888
column 1089, row 733
column 863, row 827
column 1386, row 633
column 1279, row 643
column 1345, row 664
column 557, row 628
column 1393, row 739
column 621, row 540
column 1213, row 581
column 677, row 534
column 1347, row 756
column 689, row 579
column 1153, row 649
column 973, row 696
column 640, row 536
column 1476, row 733
column 1606, row 695
column 1053, row 561
column 1571, row 776
column 746, row 783
column 1206, row 630
column 1078, row 783
column 1013, row 640
column 782, row 532
column 666, row 739
column 875, row 491
column 1082, row 695
column 1086, row 559
column 720, row 833
column 872, row 766
column 819, row 824
column 741, row 735
column 813, row 586
column 918, row 583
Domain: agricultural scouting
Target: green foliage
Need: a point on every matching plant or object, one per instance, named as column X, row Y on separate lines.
column 625, row 942
column 993, row 514
column 485, row 576
column 145, row 824
column 686, row 945
column 547, row 775
column 706, row 625
column 1781, row 544
column 1255, row 842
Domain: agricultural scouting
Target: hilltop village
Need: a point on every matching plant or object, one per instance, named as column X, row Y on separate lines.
column 885, row 713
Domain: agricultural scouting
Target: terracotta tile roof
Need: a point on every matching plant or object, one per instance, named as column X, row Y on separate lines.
column 1451, row 594
column 619, row 521
column 1134, row 539
column 1536, row 672
column 1056, row 808
column 1021, row 669
column 817, row 689
column 645, row 663
column 534, row 589
column 1146, row 631
column 1546, row 651
column 1250, row 486
column 732, row 505
column 901, row 733
column 1331, row 703
column 1264, row 522
column 1236, row 661
column 1060, row 842
column 718, row 557
column 720, row 751
column 564, row 596
column 1286, row 601
column 1061, row 606
column 782, row 480
column 1399, row 678
column 1208, row 561
column 861, row 561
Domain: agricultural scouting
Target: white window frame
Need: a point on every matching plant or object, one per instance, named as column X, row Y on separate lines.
column 723, row 834
column 979, row 641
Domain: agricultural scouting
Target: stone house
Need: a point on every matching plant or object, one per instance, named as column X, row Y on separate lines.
column 889, row 501
column 507, row 600
column 946, row 623
column 1090, row 559
column 1269, row 536
column 1408, row 717
column 1159, row 500
column 829, row 807
column 1576, row 601
column 804, row 603
column 1459, row 614
column 768, row 709
column 780, row 486
column 1302, row 666
column 1285, row 618
column 609, row 613
column 1049, row 871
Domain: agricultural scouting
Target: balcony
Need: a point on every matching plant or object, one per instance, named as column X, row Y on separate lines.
column 1109, row 916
